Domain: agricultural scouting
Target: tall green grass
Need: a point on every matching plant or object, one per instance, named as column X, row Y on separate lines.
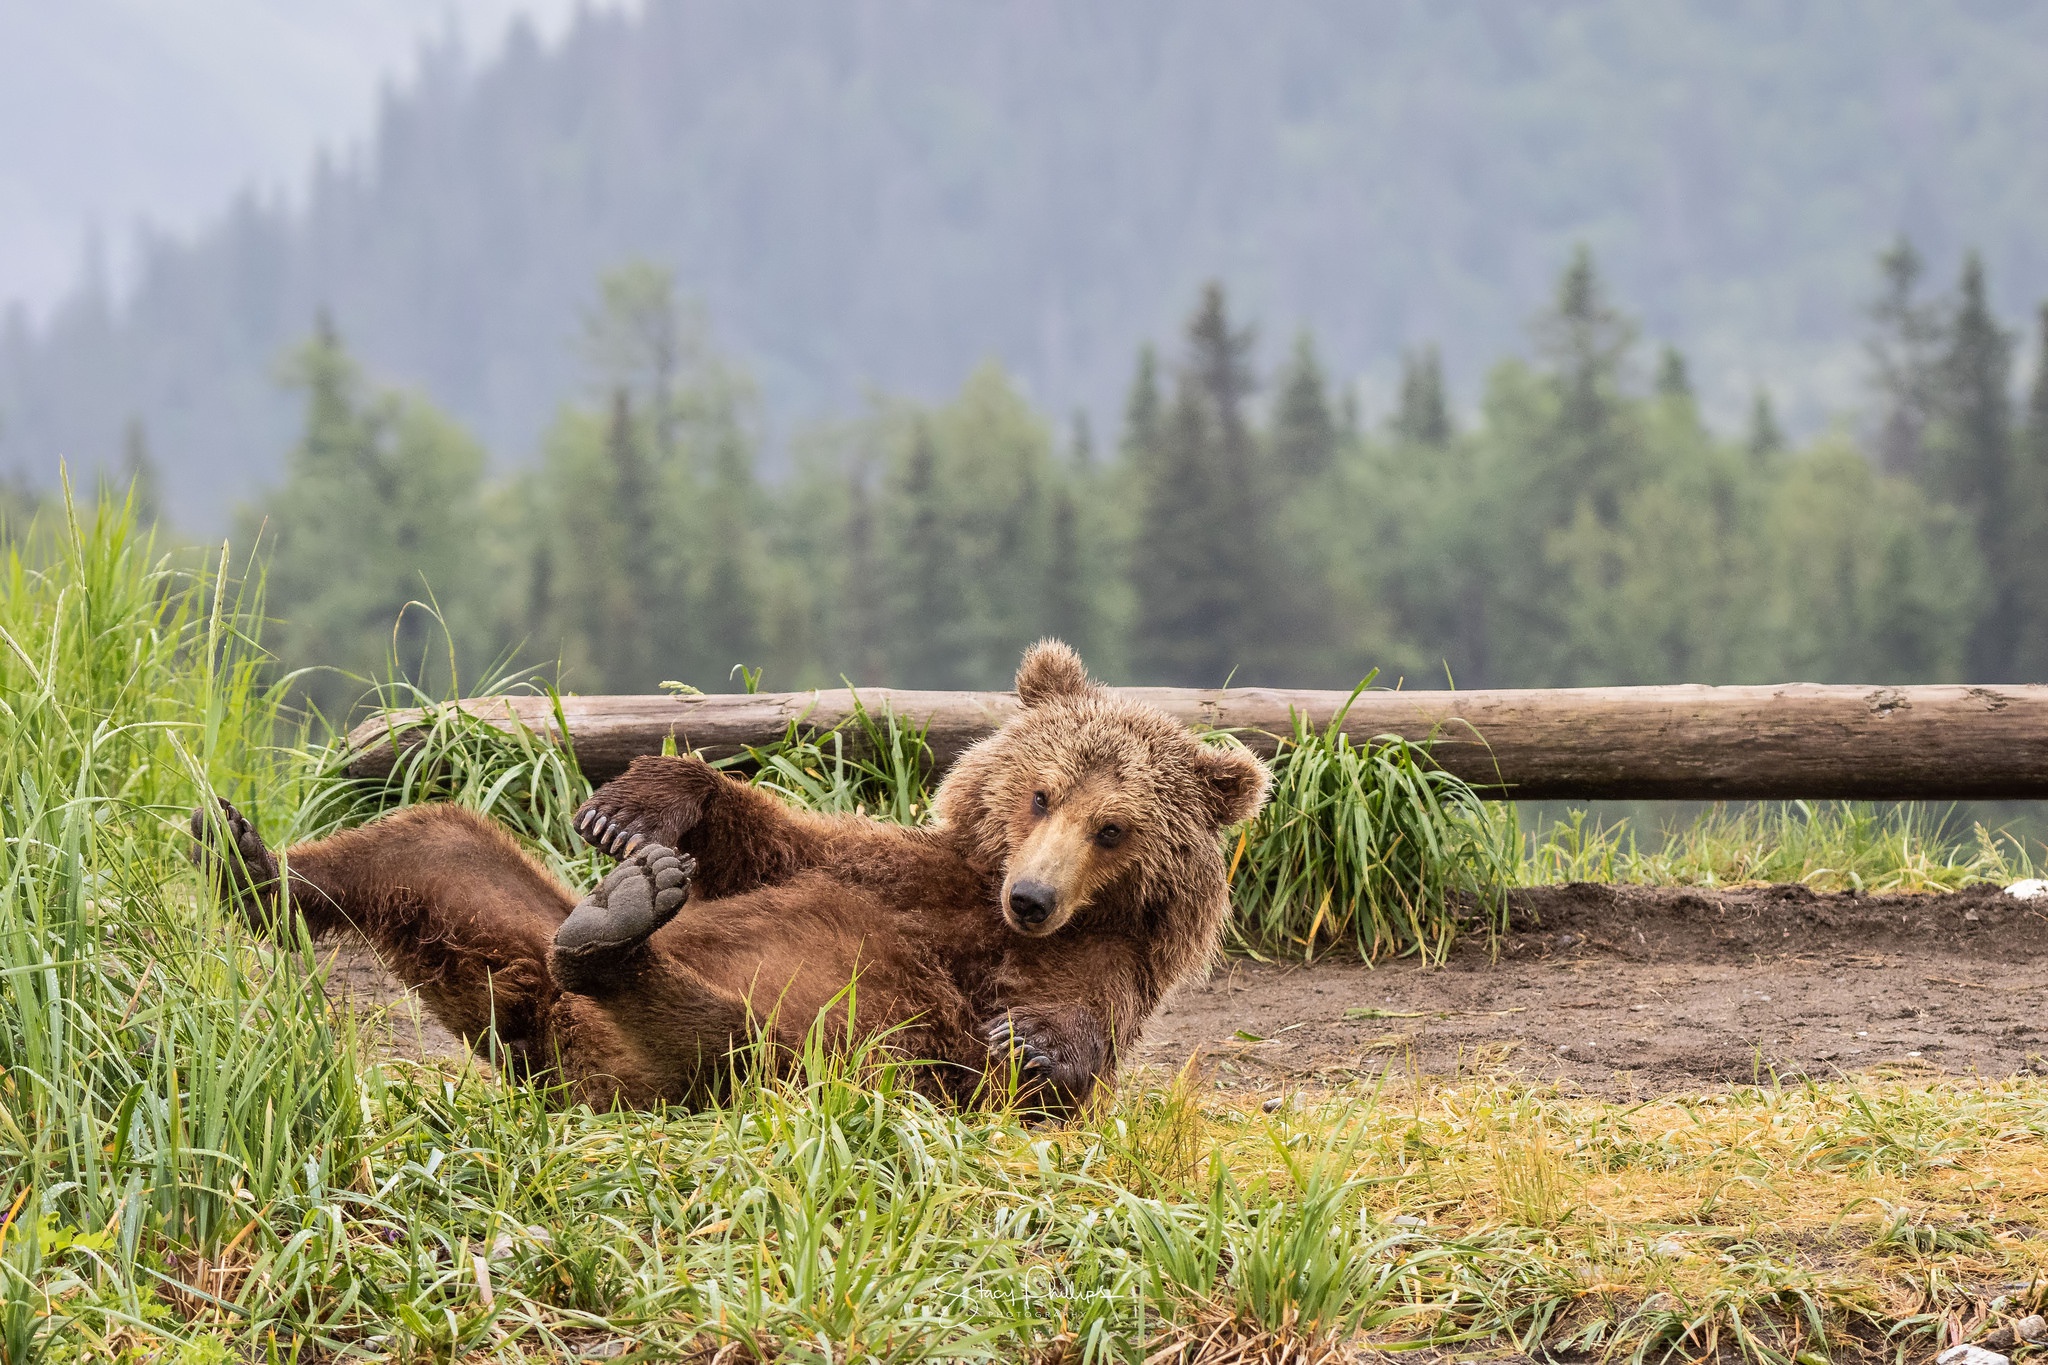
column 868, row 764
column 526, row 779
column 1370, row 846
column 529, row 780
column 1827, row 845
column 169, row 1088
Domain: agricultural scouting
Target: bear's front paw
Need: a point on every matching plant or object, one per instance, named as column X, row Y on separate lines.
column 231, row 854
column 659, row 798
column 608, row 832
column 1011, row 1041
column 641, row 895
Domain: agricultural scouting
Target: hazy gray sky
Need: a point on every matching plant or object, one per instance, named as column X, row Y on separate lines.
column 117, row 111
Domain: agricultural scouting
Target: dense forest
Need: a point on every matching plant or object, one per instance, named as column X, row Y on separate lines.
column 889, row 192
column 1243, row 522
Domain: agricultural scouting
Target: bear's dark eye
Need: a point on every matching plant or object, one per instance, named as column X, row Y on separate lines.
column 1109, row 836
column 1038, row 803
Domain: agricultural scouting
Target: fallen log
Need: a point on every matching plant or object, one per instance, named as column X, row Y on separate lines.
column 1799, row 740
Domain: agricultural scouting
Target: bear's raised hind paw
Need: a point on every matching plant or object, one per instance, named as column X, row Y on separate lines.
column 230, row 853
column 641, row 895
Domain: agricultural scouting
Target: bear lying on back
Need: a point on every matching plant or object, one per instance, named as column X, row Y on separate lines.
column 1070, row 874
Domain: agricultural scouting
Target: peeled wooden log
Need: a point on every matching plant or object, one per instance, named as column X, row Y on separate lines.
column 1799, row 740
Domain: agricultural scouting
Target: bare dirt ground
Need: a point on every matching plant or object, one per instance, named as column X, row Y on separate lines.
column 1622, row 991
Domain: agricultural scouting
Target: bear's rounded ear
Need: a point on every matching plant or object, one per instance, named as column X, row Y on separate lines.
column 1234, row 782
column 1051, row 670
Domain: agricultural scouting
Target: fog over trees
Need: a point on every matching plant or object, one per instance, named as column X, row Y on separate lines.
column 887, row 193
column 1480, row 345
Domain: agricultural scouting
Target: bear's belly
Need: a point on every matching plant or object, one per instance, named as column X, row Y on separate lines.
column 815, row 946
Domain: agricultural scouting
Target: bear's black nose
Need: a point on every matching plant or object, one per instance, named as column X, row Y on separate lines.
column 1031, row 902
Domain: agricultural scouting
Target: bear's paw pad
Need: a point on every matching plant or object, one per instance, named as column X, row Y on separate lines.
column 642, row 894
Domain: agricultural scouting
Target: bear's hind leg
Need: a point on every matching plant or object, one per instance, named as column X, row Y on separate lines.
column 671, row 1039
column 452, row 905
column 638, row 1025
column 746, row 838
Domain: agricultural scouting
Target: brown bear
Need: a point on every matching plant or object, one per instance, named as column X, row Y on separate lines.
column 1070, row 874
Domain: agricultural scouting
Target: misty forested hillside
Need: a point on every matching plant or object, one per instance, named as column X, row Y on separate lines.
column 886, row 192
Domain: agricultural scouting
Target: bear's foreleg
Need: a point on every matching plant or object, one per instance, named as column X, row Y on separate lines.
column 1053, row 1057
column 1071, row 1011
column 741, row 837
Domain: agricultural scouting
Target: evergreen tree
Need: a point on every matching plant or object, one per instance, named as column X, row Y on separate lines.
column 1424, row 416
column 540, row 583
column 1766, row 440
column 729, row 599
column 1972, row 462
column 1904, row 348
column 1677, row 589
column 1069, row 614
column 1304, row 432
column 2030, row 525
column 1202, row 536
column 1145, row 490
column 632, row 497
column 952, row 548
column 139, row 474
column 1586, row 340
column 647, row 521
column 381, row 508
column 1973, row 466
column 603, row 568
column 866, row 615
column 1674, row 380
column 1219, row 361
column 1142, row 409
column 2037, row 400
column 1348, row 425
column 1247, row 600
column 1875, row 579
column 1181, row 601
column 638, row 616
column 1081, row 445
column 999, row 477
column 637, row 339
column 931, row 605
column 1566, row 448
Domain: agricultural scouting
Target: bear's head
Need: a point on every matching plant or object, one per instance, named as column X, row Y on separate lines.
column 1089, row 801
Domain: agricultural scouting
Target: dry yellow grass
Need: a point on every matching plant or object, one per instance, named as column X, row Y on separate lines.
column 1870, row 1219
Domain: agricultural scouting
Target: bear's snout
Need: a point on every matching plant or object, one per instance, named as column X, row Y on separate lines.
column 1032, row 903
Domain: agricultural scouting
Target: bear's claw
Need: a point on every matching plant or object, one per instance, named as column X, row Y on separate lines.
column 1006, row 1040
column 227, row 848
column 659, row 798
column 605, row 834
column 642, row 894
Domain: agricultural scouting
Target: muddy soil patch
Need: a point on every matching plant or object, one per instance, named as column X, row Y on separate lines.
column 1631, row 990
column 1614, row 990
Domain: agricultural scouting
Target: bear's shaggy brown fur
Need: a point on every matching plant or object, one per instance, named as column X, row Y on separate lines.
column 1070, row 874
